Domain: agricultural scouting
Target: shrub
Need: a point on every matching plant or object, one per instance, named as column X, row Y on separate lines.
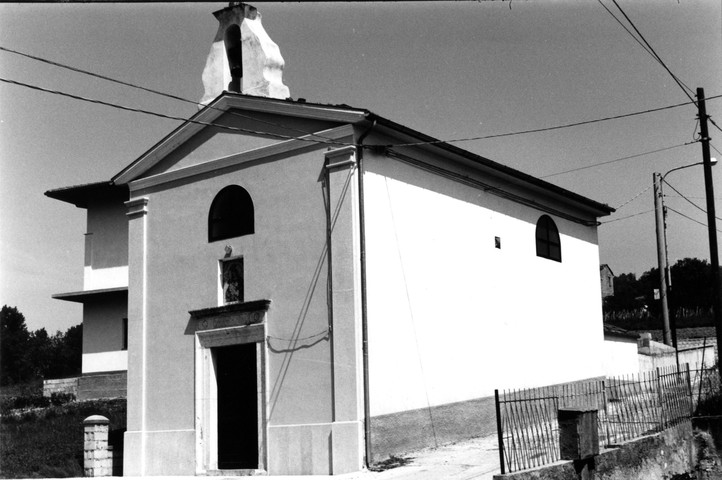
column 49, row 442
column 57, row 398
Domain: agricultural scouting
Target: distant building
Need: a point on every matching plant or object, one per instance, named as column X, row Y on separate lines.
column 606, row 277
column 317, row 286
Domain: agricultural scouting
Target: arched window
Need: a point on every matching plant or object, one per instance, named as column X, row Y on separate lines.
column 548, row 244
column 231, row 214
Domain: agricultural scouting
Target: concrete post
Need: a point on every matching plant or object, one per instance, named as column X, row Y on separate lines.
column 98, row 460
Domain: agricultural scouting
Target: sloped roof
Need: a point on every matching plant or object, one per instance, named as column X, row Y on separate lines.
column 343, row 114
column 615, row 331
column 79, row 195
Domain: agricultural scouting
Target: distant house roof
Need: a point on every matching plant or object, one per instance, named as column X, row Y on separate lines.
column 335, row 113
column 607, row 267
column 614, row 331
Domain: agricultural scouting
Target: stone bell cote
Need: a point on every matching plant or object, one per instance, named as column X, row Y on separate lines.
column 243, row 58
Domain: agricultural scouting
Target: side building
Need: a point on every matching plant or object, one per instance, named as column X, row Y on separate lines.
column 105, row 288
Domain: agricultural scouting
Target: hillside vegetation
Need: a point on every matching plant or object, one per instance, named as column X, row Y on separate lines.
column 48, row 442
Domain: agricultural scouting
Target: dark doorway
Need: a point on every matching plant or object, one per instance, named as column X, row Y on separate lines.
column 236, row 377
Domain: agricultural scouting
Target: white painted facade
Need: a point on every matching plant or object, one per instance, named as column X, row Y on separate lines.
column 621, row 357
column 101, row 278
column 112, row 361
column 452, row 317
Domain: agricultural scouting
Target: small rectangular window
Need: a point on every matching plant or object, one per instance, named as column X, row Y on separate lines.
column 232, row 280
column 125, row 334
column 497, row 242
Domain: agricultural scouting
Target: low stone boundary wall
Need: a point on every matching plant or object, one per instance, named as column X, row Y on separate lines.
column 103, row 385
column 662, row 455
column 60, row 385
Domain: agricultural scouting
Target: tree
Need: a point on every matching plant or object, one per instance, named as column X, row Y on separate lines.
column 26, row 356
column 692, row 283
column 40, row 353
column 14, row 338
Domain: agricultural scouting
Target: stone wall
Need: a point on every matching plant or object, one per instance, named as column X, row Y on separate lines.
column 653, row 457
column 60, row 385
column 105, row 385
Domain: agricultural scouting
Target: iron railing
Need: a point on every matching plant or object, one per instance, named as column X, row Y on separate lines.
column 628, row 407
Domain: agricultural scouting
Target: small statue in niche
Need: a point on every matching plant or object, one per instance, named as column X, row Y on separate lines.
column 232, row 281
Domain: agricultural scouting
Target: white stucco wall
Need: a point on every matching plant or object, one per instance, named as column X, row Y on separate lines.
column 450, row 316
column 106, row 246
column 620, row 357
column 105, row 361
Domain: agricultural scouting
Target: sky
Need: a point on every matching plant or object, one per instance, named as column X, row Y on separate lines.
column 452, row 70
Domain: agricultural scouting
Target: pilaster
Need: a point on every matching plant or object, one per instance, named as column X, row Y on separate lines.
column 344, row 277
column 135, row 437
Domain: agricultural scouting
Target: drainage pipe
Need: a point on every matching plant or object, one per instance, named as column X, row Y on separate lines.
column 364, row 323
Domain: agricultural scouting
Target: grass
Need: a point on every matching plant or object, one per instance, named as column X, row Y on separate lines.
column 48, row 442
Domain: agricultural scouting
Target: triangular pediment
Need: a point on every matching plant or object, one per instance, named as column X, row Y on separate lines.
column 231, row 126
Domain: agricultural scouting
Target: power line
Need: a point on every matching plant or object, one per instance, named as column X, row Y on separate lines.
column 689, row 218
column 633, row 198
column 547, row 129
column 618, row 159
column 688, row 200
column 624, row 218
column 334, row 142
column 169, row 117
column 327, row 140
column 627, row 29
column 150, row 90
column 681, row 84
column 714, row 123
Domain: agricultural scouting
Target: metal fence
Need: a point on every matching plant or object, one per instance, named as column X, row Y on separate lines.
column 628, row 407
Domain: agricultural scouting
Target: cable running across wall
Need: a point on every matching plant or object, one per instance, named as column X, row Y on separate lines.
column 411, row 309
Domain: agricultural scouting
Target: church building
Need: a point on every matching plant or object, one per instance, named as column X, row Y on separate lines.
column 295, row 288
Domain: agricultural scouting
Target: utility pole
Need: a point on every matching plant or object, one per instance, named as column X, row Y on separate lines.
column 711, row 224
column 662, row 254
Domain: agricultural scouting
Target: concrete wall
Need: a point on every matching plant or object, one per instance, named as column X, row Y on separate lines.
column 451, row 317
column 106, row 245
column 103, row 336
column 662, row 455
column 702, row 357
column 620, row 356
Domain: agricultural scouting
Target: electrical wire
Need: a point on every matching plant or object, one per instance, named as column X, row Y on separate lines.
column 688, row 200
column 624, row 218
column 547, row 129
column 714, row 148
column 327, row 140
column 150, row 90
column 323, row 141
column 644, row 47
column 618, row 159
column 634, row 197
column 679, row 82
column 714, row 123
column 690, row 218
column 170, row 117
